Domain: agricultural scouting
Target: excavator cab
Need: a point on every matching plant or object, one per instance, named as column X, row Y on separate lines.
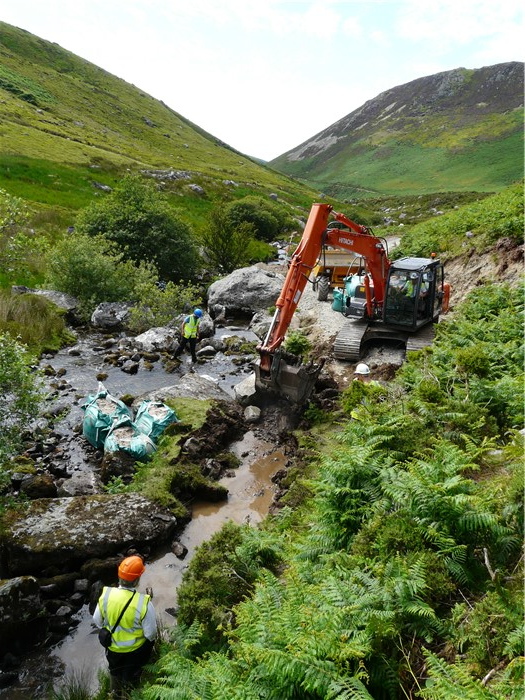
column 414, row 293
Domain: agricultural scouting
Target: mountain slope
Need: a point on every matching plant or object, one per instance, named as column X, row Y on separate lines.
column 453, row 131
column 65, row 123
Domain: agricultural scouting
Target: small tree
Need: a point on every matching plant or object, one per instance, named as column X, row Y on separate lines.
column 139, row 220
column 226, row 244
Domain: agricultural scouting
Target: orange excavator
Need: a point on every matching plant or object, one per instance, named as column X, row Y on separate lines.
column 396, row 301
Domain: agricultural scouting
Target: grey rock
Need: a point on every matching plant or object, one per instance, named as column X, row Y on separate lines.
column 252, row 414
column 111, row 314
column 101, row 186
column 179, row 550
column 245, row 391
column 206, row 351
column 21, row 609
column 191, row 385
column 196, row 188
column 247, row 290
column 81, row 585
column 162, row 338
column 61, row 532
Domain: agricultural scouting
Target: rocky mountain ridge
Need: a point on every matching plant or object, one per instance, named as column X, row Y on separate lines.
column 453, row 111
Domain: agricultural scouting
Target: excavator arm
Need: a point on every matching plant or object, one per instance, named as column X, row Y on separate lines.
column 271, row 372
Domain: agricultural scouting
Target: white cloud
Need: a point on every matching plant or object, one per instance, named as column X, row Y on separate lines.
column 444, row 24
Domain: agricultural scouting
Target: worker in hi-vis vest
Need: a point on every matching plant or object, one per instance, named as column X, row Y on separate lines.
column 130, row 617
column 189, row 334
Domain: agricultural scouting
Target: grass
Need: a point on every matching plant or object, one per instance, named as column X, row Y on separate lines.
column 156, row 479
column 85, row 125
column 35, row 321
column 488, row 166
column 421, row 157
column 489, row 219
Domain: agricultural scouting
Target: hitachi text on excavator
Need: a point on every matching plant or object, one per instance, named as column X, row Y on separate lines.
column 398, row 300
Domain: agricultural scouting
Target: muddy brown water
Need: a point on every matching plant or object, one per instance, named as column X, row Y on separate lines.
column 250, row 493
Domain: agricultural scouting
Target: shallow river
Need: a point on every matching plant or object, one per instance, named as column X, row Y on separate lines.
column 250, row 495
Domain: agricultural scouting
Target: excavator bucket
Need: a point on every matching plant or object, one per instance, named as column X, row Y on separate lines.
column 293, row 382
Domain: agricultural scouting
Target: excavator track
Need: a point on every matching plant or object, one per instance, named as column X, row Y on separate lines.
column 351, row 339
column 347, row 345
column 422, row 338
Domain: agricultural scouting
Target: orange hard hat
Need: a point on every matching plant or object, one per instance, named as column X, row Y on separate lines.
column 131, row 568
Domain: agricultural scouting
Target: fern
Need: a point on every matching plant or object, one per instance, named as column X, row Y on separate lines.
column 452, row 681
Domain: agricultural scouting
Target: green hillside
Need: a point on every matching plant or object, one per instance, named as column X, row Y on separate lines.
column 66, row 124
column 455, row 131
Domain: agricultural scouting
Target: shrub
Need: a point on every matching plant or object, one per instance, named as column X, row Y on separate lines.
column 297, row 344
column 212, row 584
column 268, row 219
column 139, row 220
column 92, row 270
column 21, row 251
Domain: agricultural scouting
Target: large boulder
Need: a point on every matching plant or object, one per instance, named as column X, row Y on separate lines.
column 111, row 315
column 155, row 339
column 246, row 290
column 191, row 386
column 59, row 534
column 66, row 302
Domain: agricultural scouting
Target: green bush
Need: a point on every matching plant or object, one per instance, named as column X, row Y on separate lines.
column 158, row 306
column 21, row 250
column 215, row 581
column 94, row 271
column 139, row 220
column 269, row 220
column 297, row 344
column 227, row 243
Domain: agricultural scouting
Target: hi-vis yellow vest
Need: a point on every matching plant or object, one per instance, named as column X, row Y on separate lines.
column 128, row 636
column 191, row 326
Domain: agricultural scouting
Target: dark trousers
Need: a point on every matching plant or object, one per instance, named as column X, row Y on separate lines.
column 125, row 667
column 192, row 342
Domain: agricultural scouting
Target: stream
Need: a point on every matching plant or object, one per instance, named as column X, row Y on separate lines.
column 79, row 655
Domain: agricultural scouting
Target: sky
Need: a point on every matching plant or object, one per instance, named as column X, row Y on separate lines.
column 266, row 75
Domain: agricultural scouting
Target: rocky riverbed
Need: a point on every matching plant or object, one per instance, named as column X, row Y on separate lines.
column 66, row 541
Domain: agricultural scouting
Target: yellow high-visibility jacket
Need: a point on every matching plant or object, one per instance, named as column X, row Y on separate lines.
column 128, row 635
column 190, row 327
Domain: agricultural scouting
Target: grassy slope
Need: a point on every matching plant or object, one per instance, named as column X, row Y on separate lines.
column 66, row 123
column 420, row 157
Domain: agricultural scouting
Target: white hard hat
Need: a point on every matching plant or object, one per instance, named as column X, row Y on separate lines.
column 362, row 369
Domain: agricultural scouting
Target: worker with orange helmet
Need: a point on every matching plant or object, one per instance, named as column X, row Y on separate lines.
column 130, row 618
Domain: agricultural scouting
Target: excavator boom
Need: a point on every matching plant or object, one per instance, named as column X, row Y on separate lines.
column 272, row 372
